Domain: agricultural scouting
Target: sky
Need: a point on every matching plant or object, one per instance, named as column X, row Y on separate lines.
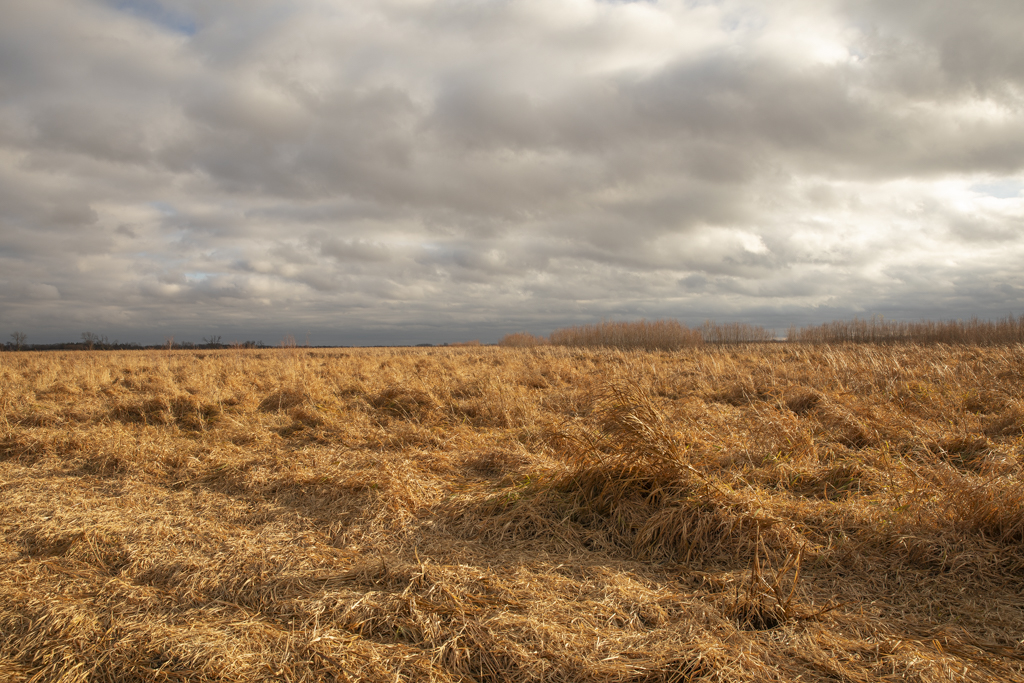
column 429, row 171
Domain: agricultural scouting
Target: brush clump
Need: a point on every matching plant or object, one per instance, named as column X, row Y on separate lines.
column 630, row 477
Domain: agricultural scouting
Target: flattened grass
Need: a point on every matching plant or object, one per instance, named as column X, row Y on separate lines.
column 746, row 513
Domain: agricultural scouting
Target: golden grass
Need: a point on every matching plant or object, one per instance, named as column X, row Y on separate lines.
column 772, row 512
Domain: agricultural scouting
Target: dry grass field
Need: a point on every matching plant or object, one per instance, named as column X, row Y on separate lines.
column 774, row 512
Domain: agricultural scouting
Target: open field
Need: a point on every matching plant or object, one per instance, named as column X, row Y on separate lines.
column 774, row 512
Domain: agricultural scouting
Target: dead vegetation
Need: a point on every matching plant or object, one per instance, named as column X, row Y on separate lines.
column 877, row 330
column 657, row 335
column 775, row 512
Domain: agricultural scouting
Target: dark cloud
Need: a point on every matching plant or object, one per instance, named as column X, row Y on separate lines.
column 406, row 170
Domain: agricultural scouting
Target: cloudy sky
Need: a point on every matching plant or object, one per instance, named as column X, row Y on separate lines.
column 403, row 171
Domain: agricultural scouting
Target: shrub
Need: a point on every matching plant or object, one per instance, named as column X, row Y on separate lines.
column 734, row 333
column 877, row 330
column 522, row 340
column 659, row 335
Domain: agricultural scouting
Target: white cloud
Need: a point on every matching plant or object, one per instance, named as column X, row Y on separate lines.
column 433, row 167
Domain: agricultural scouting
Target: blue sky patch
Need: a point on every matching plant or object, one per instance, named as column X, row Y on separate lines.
column 156, row 13
column 1001, row 189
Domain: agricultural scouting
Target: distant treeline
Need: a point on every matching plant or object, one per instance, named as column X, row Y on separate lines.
column 126, row 346
column 669, row 335
column 658, row 335
column 877, row 330
column 661, row 335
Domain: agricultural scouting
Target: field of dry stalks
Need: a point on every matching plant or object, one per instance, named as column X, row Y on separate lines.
column 777, row 512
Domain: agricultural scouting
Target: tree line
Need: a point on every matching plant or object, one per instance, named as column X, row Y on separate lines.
column 90, row 341
column 668, row 335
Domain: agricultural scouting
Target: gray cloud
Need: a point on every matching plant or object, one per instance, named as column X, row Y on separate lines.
column 420, row 170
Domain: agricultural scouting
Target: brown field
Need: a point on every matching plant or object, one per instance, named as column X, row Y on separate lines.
column 775, row 512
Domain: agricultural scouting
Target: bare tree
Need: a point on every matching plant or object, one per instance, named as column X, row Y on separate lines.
column 18, row 338
column 91, row 339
